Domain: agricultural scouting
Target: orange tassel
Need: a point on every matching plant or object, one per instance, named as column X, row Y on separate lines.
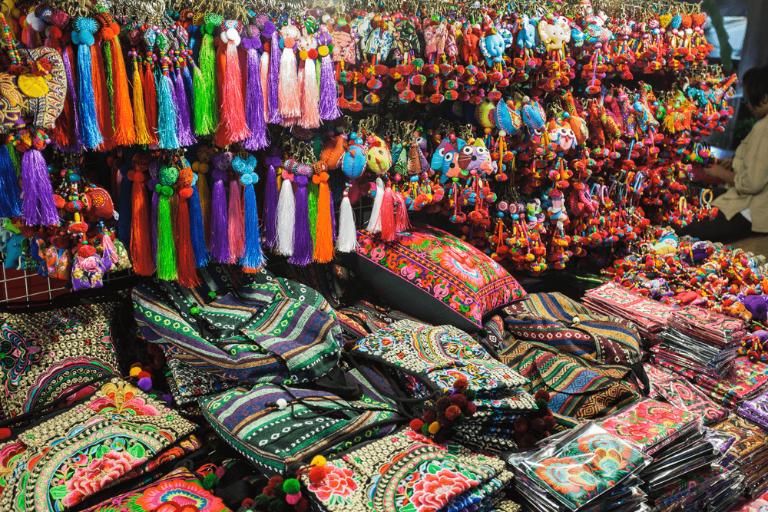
column 388, row 230
column 139, row 112
column 141, row 244
column 125, row 132
column 185, row 262
column 323, row 252
column 150, row 100
column 103, row 110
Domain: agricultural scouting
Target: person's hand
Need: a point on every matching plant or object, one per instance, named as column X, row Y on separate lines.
column 727, row 163
column 720, row 172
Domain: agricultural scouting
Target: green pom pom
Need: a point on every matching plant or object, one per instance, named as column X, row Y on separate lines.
column 291, row 486
column 168, row 175
column 210, row 480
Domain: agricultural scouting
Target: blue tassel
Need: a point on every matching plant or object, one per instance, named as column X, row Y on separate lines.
column 124, row 207
column 254, row 256
column 10, row 200
column 166, row 114
column 90, row 133
column 188, row 84
column 196, row 230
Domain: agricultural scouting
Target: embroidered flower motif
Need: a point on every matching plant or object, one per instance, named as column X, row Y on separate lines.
column 433, row 491
column 122, row 398
column 90, row 479
column 177, row 494
column 337, row 485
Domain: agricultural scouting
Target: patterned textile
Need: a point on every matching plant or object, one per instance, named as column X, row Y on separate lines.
column 556, row 320
column 57, row 464
column 682, row 394
column 755, row 410
column 578, row 468
column 455, row 274
column 757, row 505
column 407, row 472
column 178, row 489
column 577, row 388
column 46, row 355
column 269, row 330
column 748, row 452
column 312, row 422
column 651, row 425
column 44, row 110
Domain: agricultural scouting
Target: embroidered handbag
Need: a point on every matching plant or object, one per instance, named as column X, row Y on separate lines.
column 277, row 428
column 268, row 330
column 47, row 353
column 57, row 464
column 407, row 471
column 577, row 389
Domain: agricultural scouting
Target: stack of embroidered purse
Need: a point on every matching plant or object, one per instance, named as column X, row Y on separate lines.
column 672, row 437
column 176, row 491
column 278, row 428
column 748, row 453
column 578, row 389
column 755, row 410
column 650, row 316
column 45, row 355
column 268, row 330
column 119, row 432
column 554, row 319
column 712, row 489
column 409, row 472
column 586, row 468
column 423, row 360
column 683, row 395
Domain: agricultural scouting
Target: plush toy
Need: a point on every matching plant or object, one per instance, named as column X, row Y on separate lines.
column 378, row 156
column 555, row 34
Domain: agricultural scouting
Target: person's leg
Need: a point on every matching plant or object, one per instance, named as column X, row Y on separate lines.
column 719, row 229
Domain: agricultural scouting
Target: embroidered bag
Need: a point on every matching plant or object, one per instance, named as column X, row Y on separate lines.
column 48, row 353
column 57, row 464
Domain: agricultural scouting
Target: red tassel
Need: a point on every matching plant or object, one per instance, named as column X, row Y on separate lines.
column 185, row 263
column 103, row 111
column 402, row 222
column 232, row 124
column 150, row 100
column 141, row 243
column 388, row 216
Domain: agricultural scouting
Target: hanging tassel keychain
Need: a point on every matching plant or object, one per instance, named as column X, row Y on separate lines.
column 254, row 95
column 204, row 79
column 186, row 262
column 122, row 112
column 253, row 256
column 289, row 96
column 84, row 37
column 273, row 162
column 166, row 112
column 10, row 198
column 286, row 212
column 167, row 176
column 219, row 234
column 197, row 220
column 37, row 207
column 323, row 250
column 329, row 96
column 232, row 124
column 141, row 243
column 310, row 94
column 301, row 253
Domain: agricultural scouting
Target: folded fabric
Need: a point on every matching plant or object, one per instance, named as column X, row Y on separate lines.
column 57, row 464
column 680, row 393
column 708, row 326
column 747, row 453
column 268, row 330
column 556, row 320
column 649, row 315
column 278, row 427
column 650, row 425
column 178, row 490
column 47, row 354
column 577, row 388
column 408, row 472
column 755, row 410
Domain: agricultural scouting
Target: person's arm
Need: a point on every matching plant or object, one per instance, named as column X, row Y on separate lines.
column 721, row 172
column 752, row 176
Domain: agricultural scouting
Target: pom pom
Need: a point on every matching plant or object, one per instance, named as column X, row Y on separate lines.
column 434, row 428
column 318, row 460
column 452, row 413
column 281, row 403
column 291, row 486
column 471, row 408
column 461, row 384
column 443, row 403
column 145, row 383
column 292, row 499
column 459, row 400
column 134, row 371
column 5, row 433
column 542, row 395
column 317, row 474
column 416, row 424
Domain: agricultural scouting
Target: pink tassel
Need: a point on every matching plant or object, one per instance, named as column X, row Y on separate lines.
column 233, row 126
column 264, row 70
column 236, row 222
column 289, row 95
column 388, row 230
column 402, row 222
column 310, row 100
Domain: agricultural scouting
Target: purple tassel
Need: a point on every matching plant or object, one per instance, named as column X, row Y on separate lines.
column 302, row 237
column 333, row 217
column 219, row 233
column 270, row 207
column 329, row 98
column 274, row 76
column 254, row 103
column 183, row 125
column 37, row 205
column 72, row 89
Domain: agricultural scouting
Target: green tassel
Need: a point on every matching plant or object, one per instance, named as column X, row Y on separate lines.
column 312, row 206
column 166, row 248
column 204, row 80
column 110, row 80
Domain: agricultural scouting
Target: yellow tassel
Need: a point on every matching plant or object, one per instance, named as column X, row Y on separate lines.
column 139, row 114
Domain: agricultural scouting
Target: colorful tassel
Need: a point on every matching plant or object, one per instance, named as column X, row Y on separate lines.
column 37, row 207
column 323, row 252
column 270, row 31
column 374, row 222
column 141, row 244
column 253, row 256
column 232, row 125
column 149, row 87
column 10, row 200
column 402, row 222
column 83, row 37
column 346, row 241
column 254, row 99
column 186, row 264
column 388, row 216
column 329, row 96
column 166, row 247
column 67, row 129
column 270, row 206
column 289, row 98
column 143, row 135
column 185, row 135
column 235, row 222
column 125, row 132
column 205, row 104
column 197, row 227
column 310, row 99
column 219, row 234
column 286, row 216
column 166, row 113
column 302, row 237
column 103, row 99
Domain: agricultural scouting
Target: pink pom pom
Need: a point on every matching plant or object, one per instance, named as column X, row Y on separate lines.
column 292, row 499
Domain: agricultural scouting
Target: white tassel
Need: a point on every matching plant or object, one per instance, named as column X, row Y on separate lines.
column 310, row 100
column 264, row 69
column 286, row 214
column 374, row 223
column 288, row 87
column 346, row 241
